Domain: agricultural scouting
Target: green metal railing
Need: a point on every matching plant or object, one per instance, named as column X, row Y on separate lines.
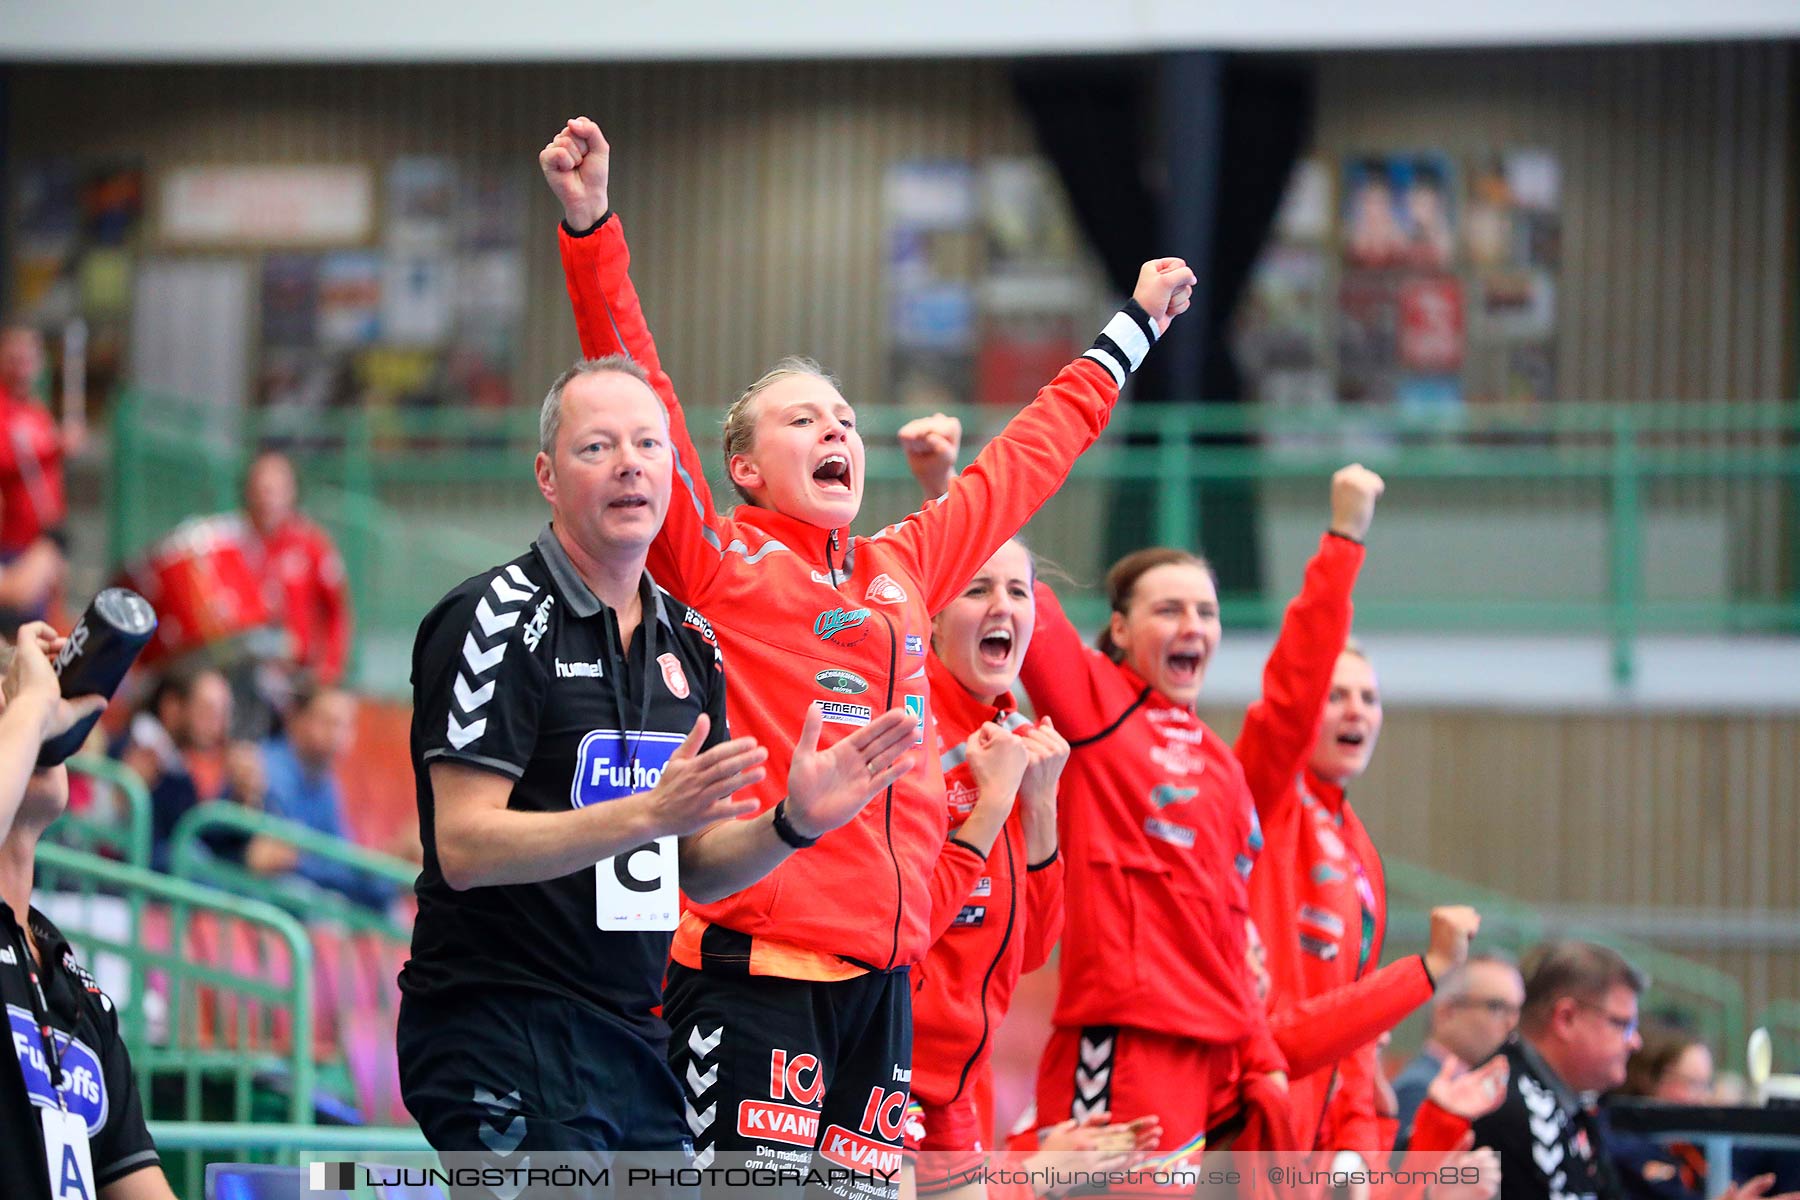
column 122, row 834
column 210, row 1044
column 1712, row 1000
column 189, row 858
column 422, row 499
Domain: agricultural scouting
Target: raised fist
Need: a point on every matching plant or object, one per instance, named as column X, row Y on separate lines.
column 575, row 165
column 1452, row 927
column 1354, row 490
column 931, row 445
column 1165, row 288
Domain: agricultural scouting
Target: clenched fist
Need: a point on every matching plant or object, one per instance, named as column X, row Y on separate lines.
column 1452, row 928
column 931, row 445
column 1354, row 490
column 575, row 164
column 1165, row 288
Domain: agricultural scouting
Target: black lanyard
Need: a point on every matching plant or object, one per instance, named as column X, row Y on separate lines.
column 620, row 683
column 40, row 1012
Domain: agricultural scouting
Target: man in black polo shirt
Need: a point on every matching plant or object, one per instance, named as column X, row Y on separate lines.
column 574, row 774
column 71, row 1124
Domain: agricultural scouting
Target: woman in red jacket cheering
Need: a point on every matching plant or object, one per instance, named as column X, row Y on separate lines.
column 788, row 1000
column 1000, row 780
column 1156, row 1013
column 1317, row 892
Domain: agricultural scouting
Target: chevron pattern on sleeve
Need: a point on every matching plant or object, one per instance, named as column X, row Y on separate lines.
column 483, row 649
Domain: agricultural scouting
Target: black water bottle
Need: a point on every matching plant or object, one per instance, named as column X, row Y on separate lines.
column 100, row 649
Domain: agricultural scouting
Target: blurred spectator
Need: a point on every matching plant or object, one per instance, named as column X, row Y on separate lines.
column 32, row 504
column 301, row 570
column 29, row 581
column 1674, row 1067
column 1577, row 1030
column 303, row 785
column 32, row 444
column 184, row 724
column 1475, row 1009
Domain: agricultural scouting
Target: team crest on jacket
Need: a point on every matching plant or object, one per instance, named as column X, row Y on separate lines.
column 673, row 675
column 885, row 591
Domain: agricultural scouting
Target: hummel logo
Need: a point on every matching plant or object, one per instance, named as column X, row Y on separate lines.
column 578, row 670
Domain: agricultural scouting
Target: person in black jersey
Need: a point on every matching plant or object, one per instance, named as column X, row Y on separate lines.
column 71, row 1122
column 574, row 775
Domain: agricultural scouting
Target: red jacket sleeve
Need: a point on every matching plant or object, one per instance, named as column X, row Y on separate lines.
column 1319, row 1031
column 334, row 611
column 596, row 267
column 950, row 537
column 1353, row 1104
column 1436, row 1130
column 1054, row 673
column 1280, row 727
column 1043, row 913
column 952, row 879
column 1262, row 1053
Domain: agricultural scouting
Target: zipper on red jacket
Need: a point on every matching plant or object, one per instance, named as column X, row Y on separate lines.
column 899, row 883
column 1012, row 913
column 831, row 546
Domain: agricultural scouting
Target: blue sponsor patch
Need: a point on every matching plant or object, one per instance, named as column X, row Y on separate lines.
column 916, row 706
column 915, row 644
column 83, row 1082
column 971, row 914
column 602, row 772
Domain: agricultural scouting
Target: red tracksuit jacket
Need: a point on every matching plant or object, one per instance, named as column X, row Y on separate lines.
column 304, row 583
column 986, row 935
column 1317, row 892
column 803, row 614
column 1158, row 833
column 31, row 473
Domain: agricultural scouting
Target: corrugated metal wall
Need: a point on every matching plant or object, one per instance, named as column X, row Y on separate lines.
column 753, row 192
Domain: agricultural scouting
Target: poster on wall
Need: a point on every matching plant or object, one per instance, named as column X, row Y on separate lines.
column 349, row 298
column 1305, row 213
column 324, row 204
column 934, row 246
column 418, row 298
column 1430, row 329
column 290, row 300
column 1399, row 212
column 75, row 228
column 1514, row 241
column 421, row 200
column 1425, row 282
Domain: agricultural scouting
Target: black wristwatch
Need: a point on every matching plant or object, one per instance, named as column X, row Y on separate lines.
column 787, row 832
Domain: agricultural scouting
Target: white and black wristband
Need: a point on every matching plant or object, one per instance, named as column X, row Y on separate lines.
column 1124, row 343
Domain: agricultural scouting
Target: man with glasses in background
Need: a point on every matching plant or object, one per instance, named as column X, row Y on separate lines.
column 1475, row 1010
column 1577, row 1029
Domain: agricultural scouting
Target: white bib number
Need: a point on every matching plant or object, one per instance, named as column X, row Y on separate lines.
column 639, row 889
column 66, row 1155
